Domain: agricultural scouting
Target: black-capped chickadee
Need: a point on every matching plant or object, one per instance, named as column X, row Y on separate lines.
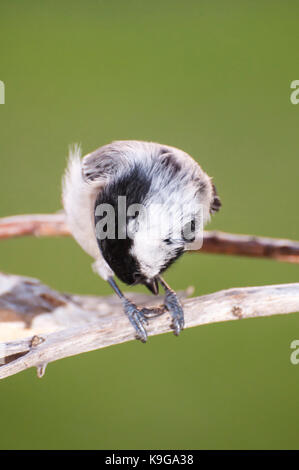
column 135, row 207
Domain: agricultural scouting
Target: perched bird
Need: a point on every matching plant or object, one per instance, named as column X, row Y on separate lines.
column 135, row 207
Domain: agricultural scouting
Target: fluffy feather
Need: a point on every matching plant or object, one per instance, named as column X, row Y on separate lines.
column 166, row 176
column 78, row 197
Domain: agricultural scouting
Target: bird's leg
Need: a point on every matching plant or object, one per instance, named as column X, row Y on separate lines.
column 173, row 305
column 135, row 315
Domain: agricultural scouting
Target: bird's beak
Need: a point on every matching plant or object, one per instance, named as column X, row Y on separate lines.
column 152, row 285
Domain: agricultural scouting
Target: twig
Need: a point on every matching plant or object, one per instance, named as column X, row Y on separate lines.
column 50, row 225
column 39, row 325
column 40, row 225
column 248, row 245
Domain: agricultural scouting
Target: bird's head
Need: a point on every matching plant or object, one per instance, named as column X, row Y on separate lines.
column 144, row 222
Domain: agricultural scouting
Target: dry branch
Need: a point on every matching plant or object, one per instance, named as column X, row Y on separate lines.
column 40, row 225
column 39, row 325
column 50, row 225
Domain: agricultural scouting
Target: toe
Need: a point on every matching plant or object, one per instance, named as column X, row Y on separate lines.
column 137, row 320
column 174, row 307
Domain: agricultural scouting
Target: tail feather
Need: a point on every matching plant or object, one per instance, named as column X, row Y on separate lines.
column 78, row 197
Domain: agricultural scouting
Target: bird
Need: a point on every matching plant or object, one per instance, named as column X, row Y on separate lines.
column 135, row 207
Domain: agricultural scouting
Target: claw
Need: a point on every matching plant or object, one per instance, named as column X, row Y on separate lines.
column 152, row 312
column 173, row 305
column 137, row 319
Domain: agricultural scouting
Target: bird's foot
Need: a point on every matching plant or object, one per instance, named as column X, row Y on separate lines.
column 173, row 305
column 137, row 319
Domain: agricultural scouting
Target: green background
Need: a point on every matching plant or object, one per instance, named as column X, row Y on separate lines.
column 210, row 77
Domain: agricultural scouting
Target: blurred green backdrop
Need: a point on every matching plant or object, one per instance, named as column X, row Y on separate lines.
column 214, row 79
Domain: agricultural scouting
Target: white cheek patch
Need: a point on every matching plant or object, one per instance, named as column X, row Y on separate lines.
column 159, row 223
column 149, row 253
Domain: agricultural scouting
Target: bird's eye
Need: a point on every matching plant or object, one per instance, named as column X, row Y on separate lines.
column 167, row 241
column 188, row 232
